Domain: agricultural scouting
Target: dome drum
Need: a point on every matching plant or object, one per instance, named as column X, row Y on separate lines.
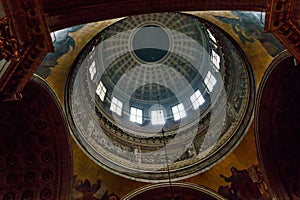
column 133, row 103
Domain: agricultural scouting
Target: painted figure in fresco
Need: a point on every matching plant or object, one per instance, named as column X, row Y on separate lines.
column 249, row 26
column 241, row 185
column 63, row 43
column 112, row 197
column 84, row 190
column 256, row 176
column 227, row 192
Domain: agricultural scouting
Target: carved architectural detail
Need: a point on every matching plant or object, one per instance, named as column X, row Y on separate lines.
column 29, row 30
column 279, row 21
column 8, row 44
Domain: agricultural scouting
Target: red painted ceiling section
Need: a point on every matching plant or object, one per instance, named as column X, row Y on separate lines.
column 34, row 146
column 278, row 127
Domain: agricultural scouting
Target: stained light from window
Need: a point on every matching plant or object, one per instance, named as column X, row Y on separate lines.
column 210, row 81
column 211, row 36
column 92, row 70
column 116, row 106
column 101, row 91
column 92, row 53
column 53, row 37
column 215, row 58
column 157, row 117
column 197, row 99
column 178, row 112
column 136, row 115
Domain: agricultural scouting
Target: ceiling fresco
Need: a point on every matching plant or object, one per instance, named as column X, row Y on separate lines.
column 87, row 172
column 163, row 102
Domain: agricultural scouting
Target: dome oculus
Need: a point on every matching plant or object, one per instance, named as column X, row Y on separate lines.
column 150, row 43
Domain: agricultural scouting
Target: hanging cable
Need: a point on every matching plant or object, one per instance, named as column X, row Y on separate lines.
column 166, row 154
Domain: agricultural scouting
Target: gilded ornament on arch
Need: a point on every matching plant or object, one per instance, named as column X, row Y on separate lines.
column 8, row 43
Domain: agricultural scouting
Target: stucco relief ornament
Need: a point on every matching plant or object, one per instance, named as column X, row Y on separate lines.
column 8, row 43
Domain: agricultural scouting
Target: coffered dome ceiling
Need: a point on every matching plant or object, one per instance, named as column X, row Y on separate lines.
column 159, row 95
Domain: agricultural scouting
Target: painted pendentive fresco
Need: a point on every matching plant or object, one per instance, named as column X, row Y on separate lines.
column 249, row 26
column 245, row 184
column 63, row 43
column 85, row 190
